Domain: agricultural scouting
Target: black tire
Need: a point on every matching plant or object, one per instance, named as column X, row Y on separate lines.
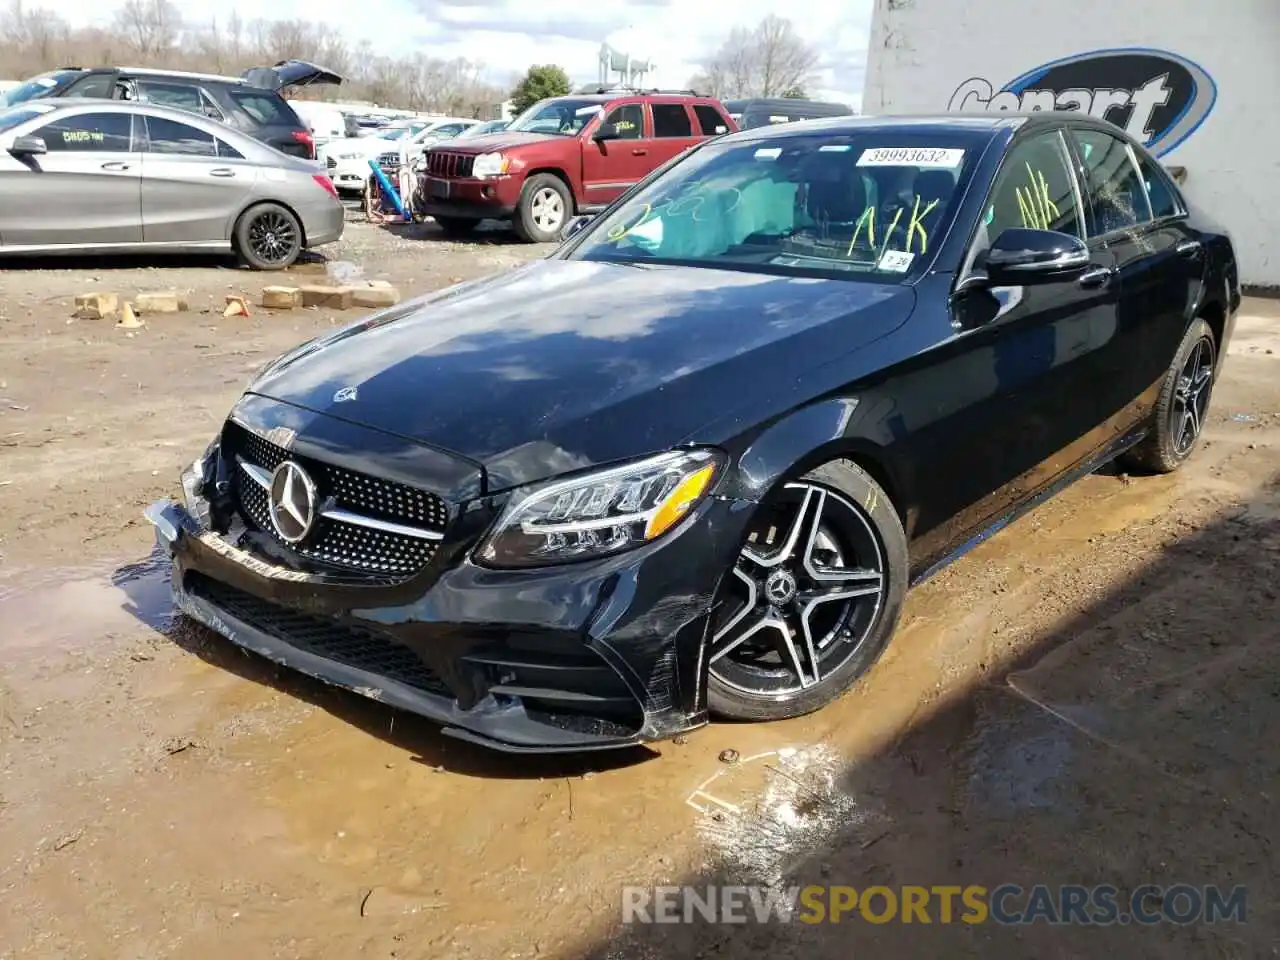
column 456, row 226
column 542, row 196
column 864, row 625
column 1182, row 407
column 268, row 237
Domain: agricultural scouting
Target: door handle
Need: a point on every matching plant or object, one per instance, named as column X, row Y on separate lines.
column 222, row 172
column 1096, row 277
column 115, row 165
column 1187, row 248
column 639, row 152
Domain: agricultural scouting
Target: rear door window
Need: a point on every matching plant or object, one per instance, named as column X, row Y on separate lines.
column 88, row 133
column 170, row 137
column 709, row 120
column 671, row 120
column 1116, row 191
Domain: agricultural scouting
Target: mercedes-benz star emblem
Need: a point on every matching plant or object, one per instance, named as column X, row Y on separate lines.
column 293, row 502
column 780, row 587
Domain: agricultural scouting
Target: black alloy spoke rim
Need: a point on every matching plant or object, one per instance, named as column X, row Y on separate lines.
column 803, row 596
column 272, row 237
column 1191, row 396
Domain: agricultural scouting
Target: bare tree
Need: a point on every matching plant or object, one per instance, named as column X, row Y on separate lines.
column 766, row 61
column 150, row 27
column 152, row 33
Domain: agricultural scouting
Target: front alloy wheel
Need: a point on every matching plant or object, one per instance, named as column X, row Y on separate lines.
column 812, row 599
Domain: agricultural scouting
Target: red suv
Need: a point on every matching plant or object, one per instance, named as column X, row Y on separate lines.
column 562, row 156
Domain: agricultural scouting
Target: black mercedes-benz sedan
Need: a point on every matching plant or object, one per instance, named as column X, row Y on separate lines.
column 689, row 464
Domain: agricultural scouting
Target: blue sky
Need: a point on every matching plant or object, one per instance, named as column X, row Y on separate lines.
column 508, row 35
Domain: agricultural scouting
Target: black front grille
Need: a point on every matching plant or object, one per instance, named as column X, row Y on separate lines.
column 330, row 162
column 446, row 163
column 336, row 542
column 389, row 160
column 352, row 646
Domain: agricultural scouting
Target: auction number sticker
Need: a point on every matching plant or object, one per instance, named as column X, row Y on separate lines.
column 937, row 157
column 896, row 261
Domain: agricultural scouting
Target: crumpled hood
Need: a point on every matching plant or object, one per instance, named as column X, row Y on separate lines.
column 561, row 364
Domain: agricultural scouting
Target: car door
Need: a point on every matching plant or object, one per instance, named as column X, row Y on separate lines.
column 85, row 190
column 192, row 183
column 610, row 167
column 1030, row 361
column 1142, row 225
column 673, row 131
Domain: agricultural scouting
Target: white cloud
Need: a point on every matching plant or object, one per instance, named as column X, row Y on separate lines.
column 508, row 35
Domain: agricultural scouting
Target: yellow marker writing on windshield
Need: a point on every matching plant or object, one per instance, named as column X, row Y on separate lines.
column 888, row 234
column 622, row 229
column 915, row 225
column 868, row 220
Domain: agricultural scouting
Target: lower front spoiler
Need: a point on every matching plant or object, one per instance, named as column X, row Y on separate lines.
column 502, row 725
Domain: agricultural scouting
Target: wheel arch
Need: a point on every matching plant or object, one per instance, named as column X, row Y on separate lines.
column 559, row 174
column 259, row 202
column 807, row 438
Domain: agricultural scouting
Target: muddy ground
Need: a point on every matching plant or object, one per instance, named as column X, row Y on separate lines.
column 1091, row 696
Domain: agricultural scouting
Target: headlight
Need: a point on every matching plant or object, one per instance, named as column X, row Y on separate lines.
column 600, row 513
column 490, row 165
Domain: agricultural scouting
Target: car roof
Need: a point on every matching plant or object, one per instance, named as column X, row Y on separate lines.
column 157, row 72
column 939, row 123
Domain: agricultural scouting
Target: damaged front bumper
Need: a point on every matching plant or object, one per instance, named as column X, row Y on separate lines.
column 590, row 656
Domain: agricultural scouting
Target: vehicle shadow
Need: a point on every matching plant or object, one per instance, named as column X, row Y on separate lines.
column 141, row 583
column 490, row 233
column 1137, row 742
column 106, row 262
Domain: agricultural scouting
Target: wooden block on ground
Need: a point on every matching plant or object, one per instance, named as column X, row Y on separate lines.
column 335, row 298
column 374, row 297
column 160, row 301
column 281, row 298
column 96, row 306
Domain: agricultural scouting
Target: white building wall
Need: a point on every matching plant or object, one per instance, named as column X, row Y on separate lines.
column 924, row 51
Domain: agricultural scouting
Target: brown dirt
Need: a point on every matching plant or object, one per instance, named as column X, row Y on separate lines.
column 163, row 795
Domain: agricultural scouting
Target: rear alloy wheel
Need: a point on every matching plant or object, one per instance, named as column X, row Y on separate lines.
column 544, row 208
column 1183, row 406
column 268, row 237
column 811, row 601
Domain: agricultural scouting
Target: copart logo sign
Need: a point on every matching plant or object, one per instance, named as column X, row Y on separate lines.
column 1158, row 97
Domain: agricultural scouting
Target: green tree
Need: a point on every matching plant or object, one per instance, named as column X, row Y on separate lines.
column 541, row 81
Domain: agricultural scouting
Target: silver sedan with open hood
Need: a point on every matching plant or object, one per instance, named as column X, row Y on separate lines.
column 92, row 175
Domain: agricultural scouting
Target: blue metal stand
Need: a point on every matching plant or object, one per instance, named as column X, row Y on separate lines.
column 389, row 190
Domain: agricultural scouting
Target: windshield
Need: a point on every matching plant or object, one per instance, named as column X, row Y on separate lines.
column 562, row 115
column 860, row 204
column 38, row 86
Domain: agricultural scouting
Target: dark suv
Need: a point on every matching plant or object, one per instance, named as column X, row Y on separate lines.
column 251, row 103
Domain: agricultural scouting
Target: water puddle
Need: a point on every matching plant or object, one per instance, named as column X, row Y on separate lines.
column 68, row 609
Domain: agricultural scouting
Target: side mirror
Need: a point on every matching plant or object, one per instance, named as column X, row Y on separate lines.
column 607, row 131
column 28, row 146
column 575, row 227
column 1020, row 256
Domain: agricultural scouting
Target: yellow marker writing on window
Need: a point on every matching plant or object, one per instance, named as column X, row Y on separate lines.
column 916, row 226
column 868, row 220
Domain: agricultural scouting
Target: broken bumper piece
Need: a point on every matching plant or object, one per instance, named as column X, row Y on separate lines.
column 554, row 678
